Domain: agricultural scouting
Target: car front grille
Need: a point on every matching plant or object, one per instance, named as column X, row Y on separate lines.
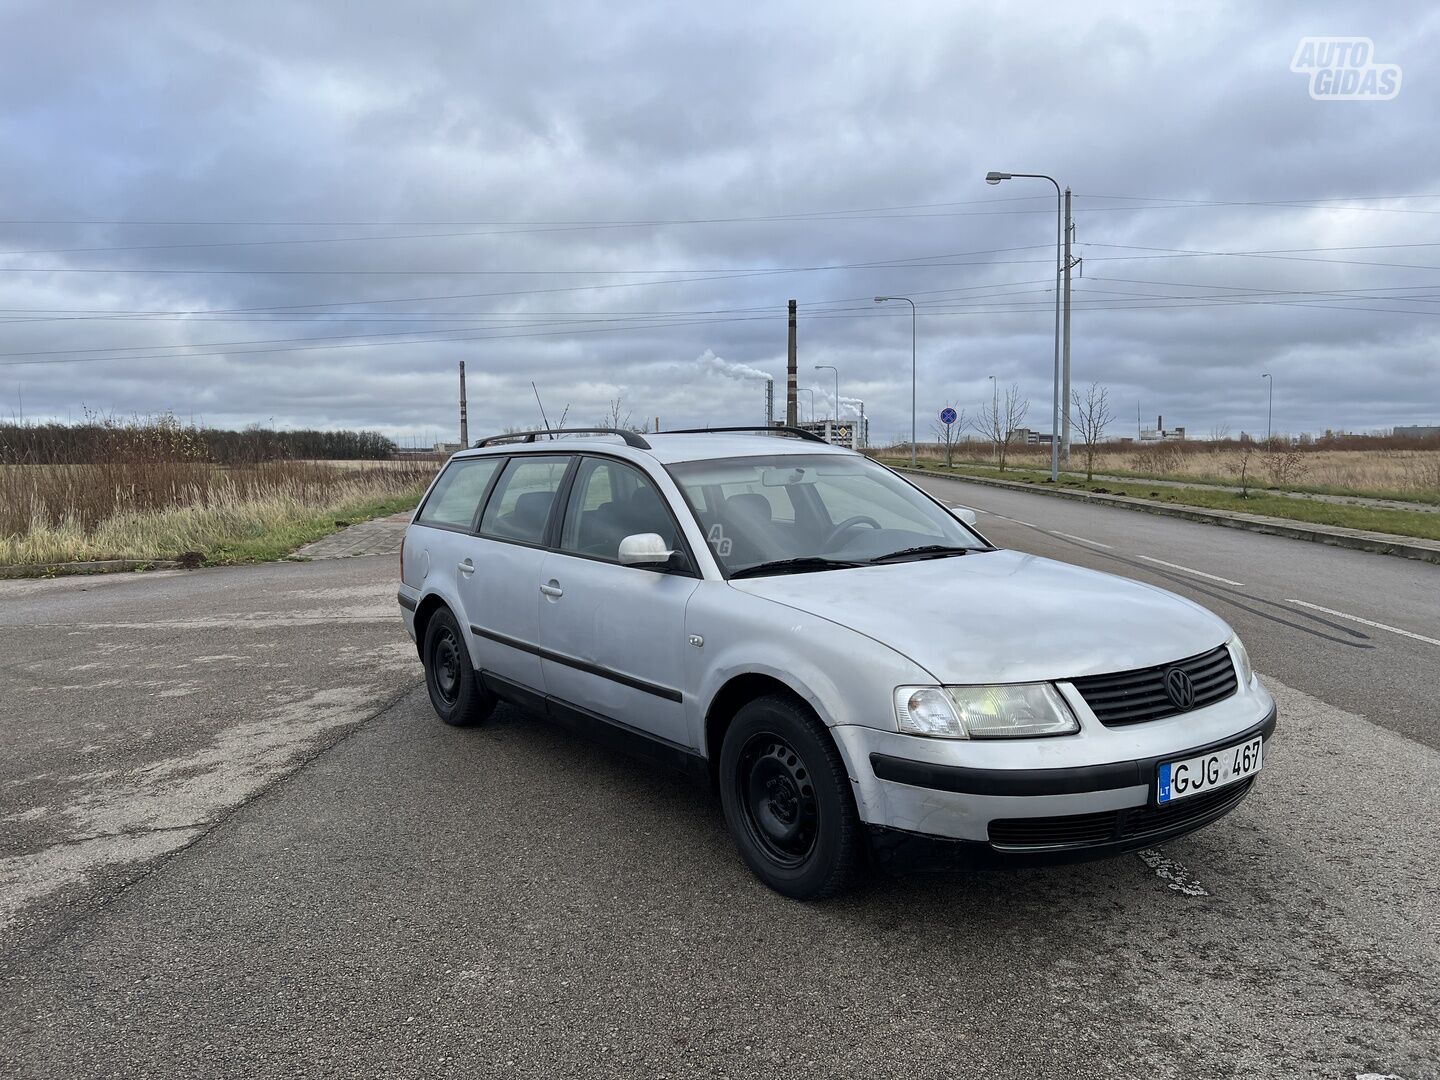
column 1112, row 826
column 1133, row 697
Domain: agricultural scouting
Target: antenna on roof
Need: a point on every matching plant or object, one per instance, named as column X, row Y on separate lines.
column 543, row 418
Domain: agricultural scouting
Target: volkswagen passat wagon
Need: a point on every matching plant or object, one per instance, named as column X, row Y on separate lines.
column 860, row 674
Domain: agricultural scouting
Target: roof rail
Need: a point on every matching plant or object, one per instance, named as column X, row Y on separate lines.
column 631, row 438
column 775, row 429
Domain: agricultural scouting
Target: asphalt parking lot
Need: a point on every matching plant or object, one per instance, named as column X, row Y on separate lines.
column 237, row 842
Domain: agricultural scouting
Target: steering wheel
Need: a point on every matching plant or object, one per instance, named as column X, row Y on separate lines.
column 848, row 523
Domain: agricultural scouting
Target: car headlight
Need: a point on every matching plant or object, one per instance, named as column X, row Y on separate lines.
column 1242, row 662
column 983, row 712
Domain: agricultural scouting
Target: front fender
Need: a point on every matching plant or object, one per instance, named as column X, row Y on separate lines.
column 846, row 677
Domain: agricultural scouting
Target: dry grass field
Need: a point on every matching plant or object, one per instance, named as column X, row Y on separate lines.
column 53, row 514
column 148, row 490
column 1376, row 472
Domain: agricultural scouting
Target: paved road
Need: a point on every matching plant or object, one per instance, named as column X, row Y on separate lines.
column 236, row 842
column 1356, row 629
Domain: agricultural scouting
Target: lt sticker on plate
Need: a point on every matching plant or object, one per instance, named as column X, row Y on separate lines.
column 1181, row 779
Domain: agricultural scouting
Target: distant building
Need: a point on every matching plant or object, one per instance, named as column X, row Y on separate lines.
column 1417, row 431
column 852, row 433
column 1029, row 437
column 1160, row 433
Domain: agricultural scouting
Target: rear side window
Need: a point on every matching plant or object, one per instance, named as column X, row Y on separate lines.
column 520, row 506
column 456, row 498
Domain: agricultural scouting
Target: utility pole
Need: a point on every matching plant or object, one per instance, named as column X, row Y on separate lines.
column 1270, row 407
column 791, row 385
column 464, row 413
column 1065, row 358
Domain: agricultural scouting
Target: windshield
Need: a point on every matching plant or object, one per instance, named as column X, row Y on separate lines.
column 798, row 509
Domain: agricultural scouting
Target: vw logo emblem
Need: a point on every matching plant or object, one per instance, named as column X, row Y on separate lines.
column 1180, row 688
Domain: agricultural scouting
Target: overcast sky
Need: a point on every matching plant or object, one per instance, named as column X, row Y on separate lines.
column 306, row 213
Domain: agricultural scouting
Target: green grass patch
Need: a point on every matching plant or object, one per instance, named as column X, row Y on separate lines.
column 277, row 539
column 1266, row 503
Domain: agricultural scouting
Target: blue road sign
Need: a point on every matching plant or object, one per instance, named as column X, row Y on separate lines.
column 947, row 415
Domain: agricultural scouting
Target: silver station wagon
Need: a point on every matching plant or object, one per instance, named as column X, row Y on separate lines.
column 858, row 672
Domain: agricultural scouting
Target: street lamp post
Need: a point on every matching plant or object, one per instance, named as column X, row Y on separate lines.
column 807, row 390
column 1270, row 408
column 881, row 300
column 995, row 178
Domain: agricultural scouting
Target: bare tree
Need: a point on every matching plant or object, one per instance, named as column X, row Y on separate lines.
column 617, row 416
column 1284, row 463
column 999, row 420
column 1090, row 417
column 947, row 434
column 1241, row 466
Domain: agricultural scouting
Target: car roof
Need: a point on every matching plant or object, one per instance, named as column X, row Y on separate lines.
column 671, row 448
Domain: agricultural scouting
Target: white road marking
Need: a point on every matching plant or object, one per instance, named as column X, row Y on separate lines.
column 1071, row 536
column 1189, row 570
column 1367, row 622
column 1172, row 873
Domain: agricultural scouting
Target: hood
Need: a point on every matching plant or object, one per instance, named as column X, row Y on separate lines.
column 1003, row 616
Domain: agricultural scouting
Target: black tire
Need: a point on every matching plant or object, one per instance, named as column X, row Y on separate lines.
column 454, row 684
column 787, row 800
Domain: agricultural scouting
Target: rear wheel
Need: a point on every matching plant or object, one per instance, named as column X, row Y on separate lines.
column 454, row 684
column 787, row 801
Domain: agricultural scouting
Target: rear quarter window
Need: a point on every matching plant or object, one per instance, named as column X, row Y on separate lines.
column 456, row 498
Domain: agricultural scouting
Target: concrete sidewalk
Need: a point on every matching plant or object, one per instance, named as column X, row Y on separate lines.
column 382, row 536
column 1313, row 496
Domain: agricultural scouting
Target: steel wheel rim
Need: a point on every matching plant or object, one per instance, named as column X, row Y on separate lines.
column 777, row 799
column 445, row 666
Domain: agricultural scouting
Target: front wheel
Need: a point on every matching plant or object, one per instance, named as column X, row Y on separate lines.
column 451, row 678
column 787, row 801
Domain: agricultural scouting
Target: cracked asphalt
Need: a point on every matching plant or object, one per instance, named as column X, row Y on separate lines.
column 235, row 841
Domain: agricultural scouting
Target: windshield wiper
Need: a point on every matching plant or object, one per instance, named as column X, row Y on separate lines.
column 804, row 565
column 924, row 551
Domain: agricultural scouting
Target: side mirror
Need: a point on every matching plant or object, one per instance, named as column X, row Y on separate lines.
column 965, row 514
column 645, row 549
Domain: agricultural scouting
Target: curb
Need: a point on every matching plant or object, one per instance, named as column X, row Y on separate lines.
column 103, row 566
column 1404, row 547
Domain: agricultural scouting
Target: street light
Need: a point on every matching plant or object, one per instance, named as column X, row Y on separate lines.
column 995, row 178
column 807, row 390
column 881, row 300
column 832, row 367
column 1270, row 408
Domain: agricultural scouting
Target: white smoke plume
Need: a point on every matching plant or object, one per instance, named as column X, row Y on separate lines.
column 730, row 369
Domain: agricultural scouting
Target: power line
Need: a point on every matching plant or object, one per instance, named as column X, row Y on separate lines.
column 857, row 313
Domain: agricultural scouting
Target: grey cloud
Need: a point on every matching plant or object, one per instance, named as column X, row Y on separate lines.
column 584, row 112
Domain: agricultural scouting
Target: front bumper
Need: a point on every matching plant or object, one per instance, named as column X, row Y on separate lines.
column 936, row 802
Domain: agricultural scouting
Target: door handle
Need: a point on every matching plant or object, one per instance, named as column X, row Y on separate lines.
column 552, row 588
column 467, row 568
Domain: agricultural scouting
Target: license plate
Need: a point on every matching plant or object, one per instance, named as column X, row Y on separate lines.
column 1193, row 776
